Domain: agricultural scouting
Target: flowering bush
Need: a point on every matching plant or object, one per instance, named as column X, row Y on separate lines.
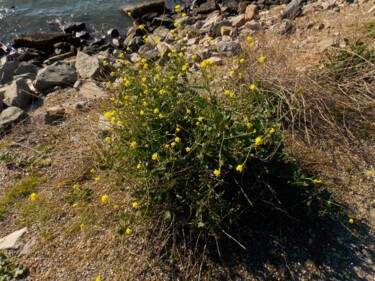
column 203, row 146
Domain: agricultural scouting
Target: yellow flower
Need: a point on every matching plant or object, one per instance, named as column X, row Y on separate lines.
column 316, row 181
column 185, row 67
column 262, row 59
column 239, row 168
column 351, row 221
column 75, row 186
column 252, row 44
column 156, row 111
column 258, row 141
column 97, row 179
column 252, row 87
column 183, row 15
column 173, row 144
column 105, row 62
column 216, row 172
column 155, row 156
column 171, row 31
column 231, row 73
column 107, row 139
column 104, row 199
column 144, row 79
column 98, row 277
column 113, row 120
column 141, row 112
column 249, row 38
column 120, row 123
column 194, row 57
column 198, row 123
column 139, row 166
column 133, row 144
column 175, row 24
column 188, row 149
column 141, row 26
column 227, row 92
column 129, row 14
column 112, row 74
column 369, row 173
column 121, row 56
column 188, row 111
column 161, row 92
column 92, row 171
column 33, row 196
column 135, row 205
column 145, row 103
column 74, row 205
column 242, row 60
column 209, row 40
column 82, row 225
column 177, row 7
column 200, row 118
column 272, row 130
column 249, row 125
column 128, row 231
column 167, row 145
column 161, row 115
column 178, row 130
column 177, row 139
column 108, row 83
column 232, row 94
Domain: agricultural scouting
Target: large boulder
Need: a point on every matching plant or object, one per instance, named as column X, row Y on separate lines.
column 206, row 8
column 251, row 12
column 10, row 116
column 87, row 66
column 293, row 9
column 41, row 41
column 137, row 10
column 57, row 74
column 18, row 94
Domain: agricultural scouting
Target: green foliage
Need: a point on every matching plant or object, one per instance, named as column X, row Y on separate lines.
column 10, row 271
column 370, row 29
column 204, row 147
column 19, row 191
column 351, row 62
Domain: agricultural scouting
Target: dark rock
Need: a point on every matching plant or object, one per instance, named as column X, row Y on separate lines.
column 9, row 117
column 18, row 94
column 149, row 16
column 57, row 74
column 74, row 27
column 26, row 67
column 7, row 71
column 100, row 42
column 293, row 9
column 163, row 21
column 216, row 29
column 31, row 55
column 62, row 47
column 61, row 57
column 242, row 6
column 228, row 48
column 230, row 6
column 3, row 50
column 206, row 8
column 139, row 9
column 113, row 33
column 135, row 43
column 40, row 41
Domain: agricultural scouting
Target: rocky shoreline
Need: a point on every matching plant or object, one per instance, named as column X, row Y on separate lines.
column 42, row 63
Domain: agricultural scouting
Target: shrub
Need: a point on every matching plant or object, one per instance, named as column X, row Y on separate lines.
column 202, row 147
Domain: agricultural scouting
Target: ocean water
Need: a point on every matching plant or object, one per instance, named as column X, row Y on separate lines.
column 45, row 15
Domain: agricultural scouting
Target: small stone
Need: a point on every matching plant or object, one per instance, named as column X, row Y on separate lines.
column 18, row 94
column 251, row 11
column 226, row 30
column 113, row 33
column 28, row 246
column 229, row 48
column 238, row 21
column 90, row 90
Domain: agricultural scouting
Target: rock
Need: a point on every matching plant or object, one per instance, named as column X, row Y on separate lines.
column 162, row 32
column 163, row 22
column 57, row 74
column 287, row 27
column 152, row 55
column 209, row 22
column 3, row 49
column 74, row 27
column 8, row 117
column 238, row 21
column 28, row 246
column 242, row 5
column 293, row 9
column 25, row 68
column 145, row 48
column 216, row 29
column 113, row 33
column 54, row 114
column 62, row 47
column 11, row 241
column 90, row 90
column 18, row 94
column 361, row 2
column 82, row 35
column 82, row 106
column 137, row 10
column 327, row 43
column 135, row 43
column 61, row 57
column 87, row 66
column 216, row 60
column 40, row 41
column 251, row 12
column 226, row 31
column 229, row 6
column 206, row 8
column 7, row 71
column 252, row 25
column 228, row 48
column 163, row 48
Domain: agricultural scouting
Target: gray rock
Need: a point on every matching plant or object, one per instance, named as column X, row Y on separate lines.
column 90, row 90
column 228, row 48
column 11, row 241
column 139, row 9
column 87, row 66
column 163, row 48
column 163, row 22
column 18, row 94
column 57, row 74
column 25, row 68
column 135, row 43
column 28, row 246
column 293, row 9
column 216, row 29
column 8, row 117
column 60, row 57
column 7, row 71
column 145, row 48
column 161, row 32
column 152, row 55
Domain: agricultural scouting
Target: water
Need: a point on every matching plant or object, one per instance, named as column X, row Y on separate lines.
column 45, row 15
